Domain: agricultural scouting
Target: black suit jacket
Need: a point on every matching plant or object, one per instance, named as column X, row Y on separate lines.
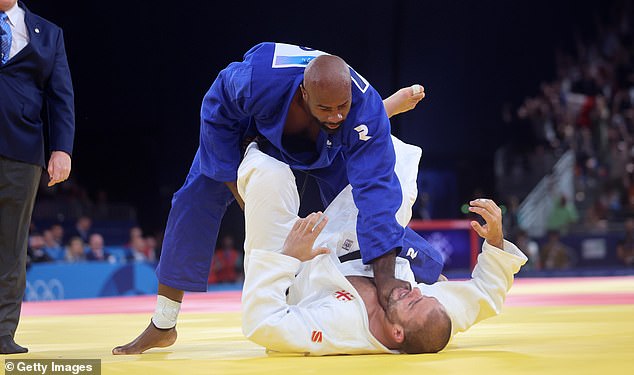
column 37, row 74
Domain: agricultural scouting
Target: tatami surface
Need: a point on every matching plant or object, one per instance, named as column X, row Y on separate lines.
column 549, row 326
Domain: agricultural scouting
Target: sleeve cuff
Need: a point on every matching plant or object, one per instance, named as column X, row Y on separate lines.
column 509, row 248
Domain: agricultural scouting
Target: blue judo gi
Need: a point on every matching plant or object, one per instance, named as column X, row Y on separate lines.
column 253, row 96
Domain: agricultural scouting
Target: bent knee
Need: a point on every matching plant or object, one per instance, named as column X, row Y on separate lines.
column 262, row 170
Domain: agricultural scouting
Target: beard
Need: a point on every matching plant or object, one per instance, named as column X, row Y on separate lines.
column 324, row 125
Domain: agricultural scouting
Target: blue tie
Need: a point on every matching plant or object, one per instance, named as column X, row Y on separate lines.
column 5, row 38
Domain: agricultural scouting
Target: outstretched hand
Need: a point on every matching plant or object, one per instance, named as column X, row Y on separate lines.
column 492, row 214
column 299, row 242
column 404, row 100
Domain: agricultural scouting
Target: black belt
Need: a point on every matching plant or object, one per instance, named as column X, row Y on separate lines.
column 350, row 256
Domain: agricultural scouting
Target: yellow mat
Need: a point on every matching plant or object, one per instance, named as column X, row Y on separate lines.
column 566, row 339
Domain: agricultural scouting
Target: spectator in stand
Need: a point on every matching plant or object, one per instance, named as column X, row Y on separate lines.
column 625, row 247
column 138, row 246
column 555, row 254
column 52, row 248
column 135, row 232
column 97, row 251
column 151, row 245
column 530, row 248
column 589, row 109
column 35, row 251
column 82, row 228
column 76, row 250
column 226, row 265
column 57, row 230
column 563, row 214
column 511, row 218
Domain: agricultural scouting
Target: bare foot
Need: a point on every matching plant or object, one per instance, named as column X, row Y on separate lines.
column 152, row 337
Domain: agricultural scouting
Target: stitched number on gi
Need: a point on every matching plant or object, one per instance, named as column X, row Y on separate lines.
column 287, row 56
column 363, row 132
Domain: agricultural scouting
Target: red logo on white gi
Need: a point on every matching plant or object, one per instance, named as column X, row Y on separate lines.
column 316, row 336
column 344, row 296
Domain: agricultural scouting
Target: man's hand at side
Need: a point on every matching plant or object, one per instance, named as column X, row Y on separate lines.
column 58, row 167
column 299, row 242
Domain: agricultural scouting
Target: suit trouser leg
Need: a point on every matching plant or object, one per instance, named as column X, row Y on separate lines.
column 18, row 187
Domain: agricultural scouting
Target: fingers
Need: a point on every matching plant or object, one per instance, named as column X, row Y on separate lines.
column 57, row 174
column 320, row 224
column 485, row 208
column 313, row 223
column 480, row 230
column 58, row 167
column 297, row 224
column 485, row 213
column 492, row 214
column 303, row 223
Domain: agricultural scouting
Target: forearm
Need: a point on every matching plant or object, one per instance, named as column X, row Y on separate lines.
column 390, row 105
column 403, row 100
column 383, row 266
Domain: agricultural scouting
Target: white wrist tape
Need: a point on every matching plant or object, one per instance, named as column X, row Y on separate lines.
column 166, row 312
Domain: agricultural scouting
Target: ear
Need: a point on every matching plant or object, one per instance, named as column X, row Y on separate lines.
column 304, row 94
column 398, row 333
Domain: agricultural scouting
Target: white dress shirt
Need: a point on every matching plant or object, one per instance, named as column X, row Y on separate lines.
column 19, row 32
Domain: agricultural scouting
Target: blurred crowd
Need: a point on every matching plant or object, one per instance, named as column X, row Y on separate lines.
column 82, row 242
column 589, row 109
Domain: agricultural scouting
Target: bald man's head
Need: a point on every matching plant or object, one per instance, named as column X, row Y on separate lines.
column 327, row 91
column 430, row 335
column 425, row 324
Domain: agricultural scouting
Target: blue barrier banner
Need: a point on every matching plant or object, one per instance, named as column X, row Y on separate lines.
column 54, row 281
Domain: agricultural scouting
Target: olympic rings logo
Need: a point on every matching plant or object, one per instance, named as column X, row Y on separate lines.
column 41, row 290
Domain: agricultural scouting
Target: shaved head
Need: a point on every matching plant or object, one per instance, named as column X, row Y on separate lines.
column 327, row 91
column 426, row 325
column 429, row 337
column 327, row 72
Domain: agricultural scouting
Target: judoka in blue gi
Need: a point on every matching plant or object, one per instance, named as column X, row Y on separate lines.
column 317, row 114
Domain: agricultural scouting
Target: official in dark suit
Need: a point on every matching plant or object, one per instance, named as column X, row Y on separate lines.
column 33, row 71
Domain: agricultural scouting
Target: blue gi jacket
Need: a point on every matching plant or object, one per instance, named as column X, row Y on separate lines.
column 257, row 92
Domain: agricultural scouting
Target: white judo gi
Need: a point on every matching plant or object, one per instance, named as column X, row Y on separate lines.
column 310, row 307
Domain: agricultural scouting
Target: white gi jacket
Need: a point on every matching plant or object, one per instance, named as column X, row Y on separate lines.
column 323, row 313
column 312, row 308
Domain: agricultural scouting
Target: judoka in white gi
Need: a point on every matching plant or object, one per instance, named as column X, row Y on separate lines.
column 301, row 298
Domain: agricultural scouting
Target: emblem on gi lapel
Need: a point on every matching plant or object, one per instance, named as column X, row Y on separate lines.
column 344, row 296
